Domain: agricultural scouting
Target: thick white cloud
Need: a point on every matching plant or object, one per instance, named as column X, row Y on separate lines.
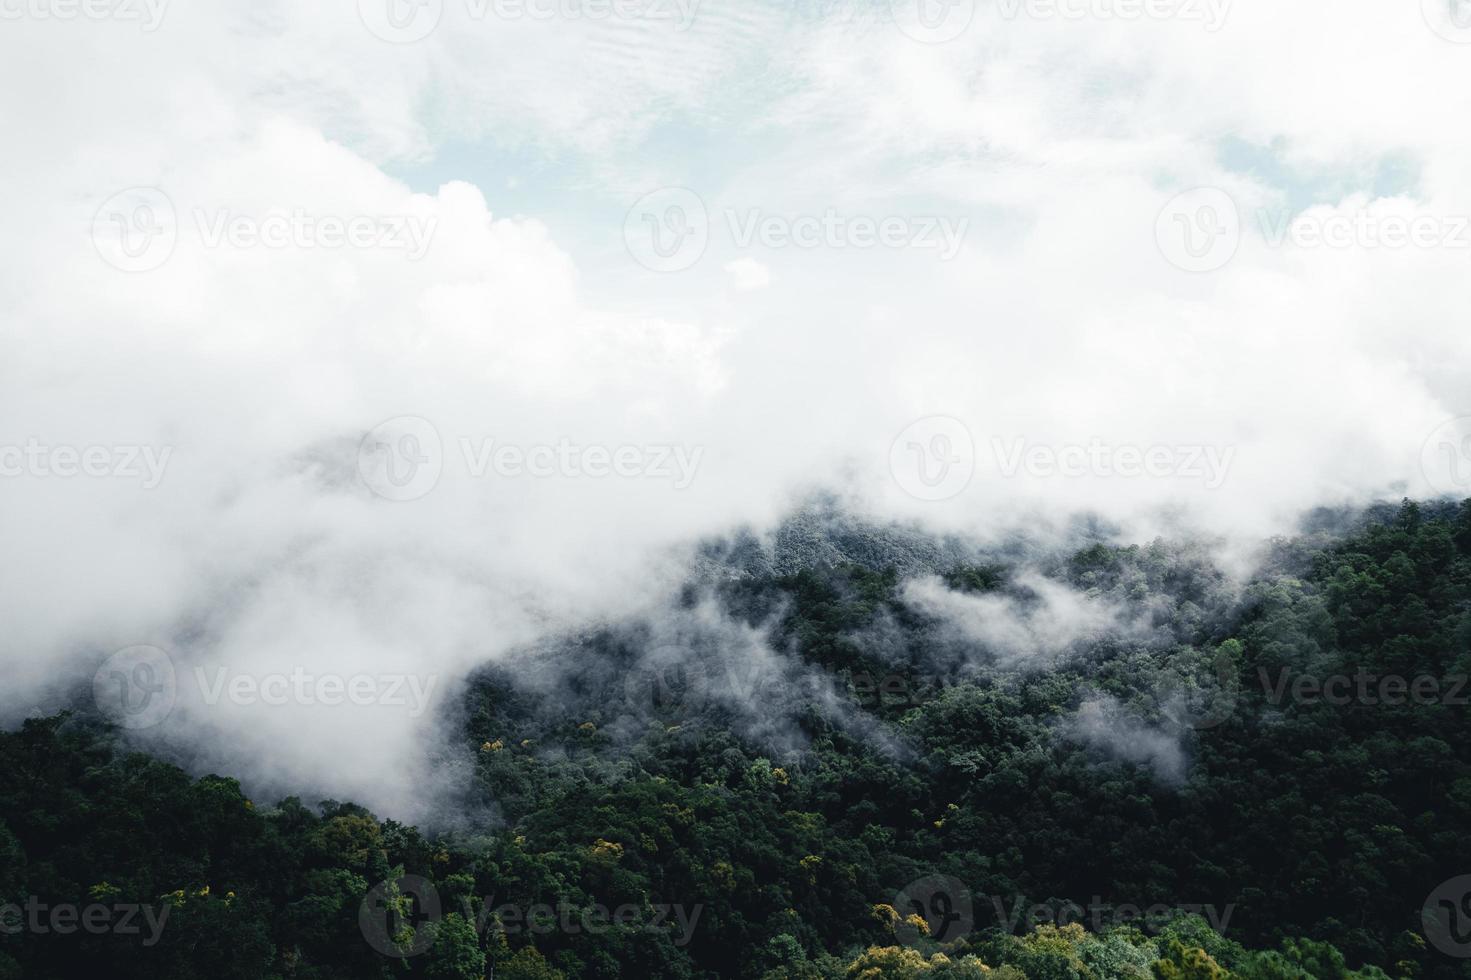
column 1058, row 328
column 1008, row 631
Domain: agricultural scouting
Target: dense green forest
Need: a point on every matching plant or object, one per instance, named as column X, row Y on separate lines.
column 1284, row 758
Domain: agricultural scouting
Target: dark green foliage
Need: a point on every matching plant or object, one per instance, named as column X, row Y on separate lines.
column 1318, row 828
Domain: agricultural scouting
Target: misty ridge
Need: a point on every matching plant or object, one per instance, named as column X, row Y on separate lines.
column 1132, row 630
column 909, row 616
column 703, row 489
column 1026, row 740
column 707, row 642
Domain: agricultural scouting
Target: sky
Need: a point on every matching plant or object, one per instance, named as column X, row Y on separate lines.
column 382, row 337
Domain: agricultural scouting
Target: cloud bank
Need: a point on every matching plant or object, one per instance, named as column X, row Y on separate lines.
column 422, row 368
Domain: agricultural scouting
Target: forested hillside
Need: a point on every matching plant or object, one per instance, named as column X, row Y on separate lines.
column 851, row 752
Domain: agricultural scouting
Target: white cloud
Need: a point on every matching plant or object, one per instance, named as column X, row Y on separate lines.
column 1105, row 724
column 1059, row 322
column 748, row 275
column 1015, row 631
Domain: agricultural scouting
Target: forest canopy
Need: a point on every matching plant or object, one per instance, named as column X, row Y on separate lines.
column 856, row 754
